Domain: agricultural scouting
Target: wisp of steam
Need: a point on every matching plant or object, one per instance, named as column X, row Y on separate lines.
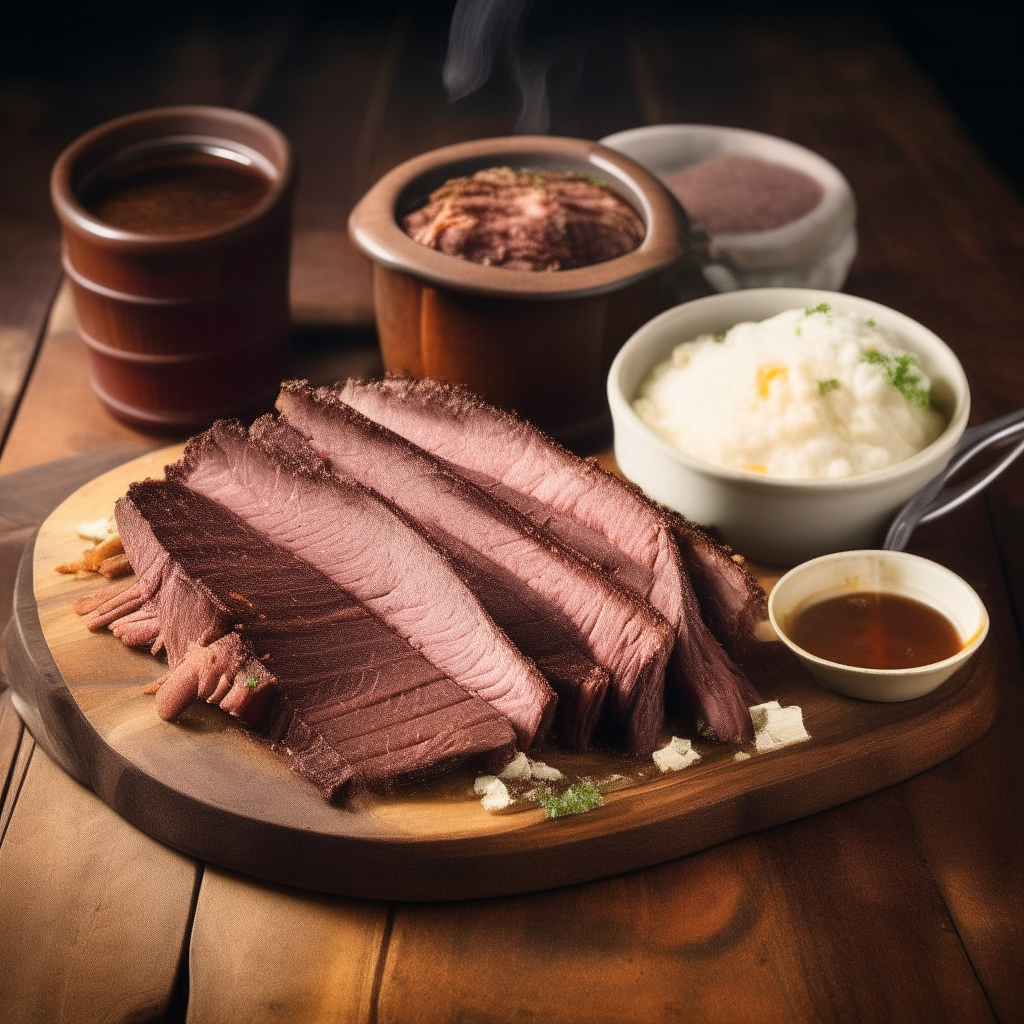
column 486, row 32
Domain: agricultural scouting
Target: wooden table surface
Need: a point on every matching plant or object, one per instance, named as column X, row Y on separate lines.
column 907, row 905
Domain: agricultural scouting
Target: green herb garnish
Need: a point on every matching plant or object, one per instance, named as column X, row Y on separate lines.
column 825, row 386
column 900, row 374
column 870, row 322
column 576, row 799
column 821, row 307
column 720, row 335
column 705, row 731
column 252, row 683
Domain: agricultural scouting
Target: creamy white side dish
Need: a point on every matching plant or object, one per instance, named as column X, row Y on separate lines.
column 809, row 394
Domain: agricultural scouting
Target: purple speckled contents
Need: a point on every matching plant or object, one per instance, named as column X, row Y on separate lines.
column 732, row 194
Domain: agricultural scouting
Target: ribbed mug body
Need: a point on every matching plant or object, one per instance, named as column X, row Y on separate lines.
column 180, row 328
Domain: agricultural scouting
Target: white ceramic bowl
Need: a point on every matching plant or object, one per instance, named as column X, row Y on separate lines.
column 814, row 251
column 894, row 572
column 780, row 522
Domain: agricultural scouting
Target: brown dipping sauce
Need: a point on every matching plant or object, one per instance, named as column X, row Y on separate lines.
column 875, row 630
column 176, row 193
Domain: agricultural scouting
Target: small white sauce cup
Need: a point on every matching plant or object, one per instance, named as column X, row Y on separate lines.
column 894, row 572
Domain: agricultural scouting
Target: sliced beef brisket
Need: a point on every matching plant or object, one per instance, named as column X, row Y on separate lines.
column 732, row 602
column 549, row 601
column 596, row 514
column 276, row 483
column 354, row 703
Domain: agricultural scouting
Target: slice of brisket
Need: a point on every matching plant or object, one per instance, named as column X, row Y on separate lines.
column 594, row 513
column 271, row 478
column 732, row 602
column 269, row 637
column 547, row 599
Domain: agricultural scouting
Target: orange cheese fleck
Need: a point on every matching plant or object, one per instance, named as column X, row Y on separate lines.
column 765, row 376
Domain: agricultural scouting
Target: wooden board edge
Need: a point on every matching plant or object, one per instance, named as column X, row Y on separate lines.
column 450, row 869
column 447, row 868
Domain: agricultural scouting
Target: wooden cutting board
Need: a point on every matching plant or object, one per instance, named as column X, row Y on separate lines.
column 208, row 788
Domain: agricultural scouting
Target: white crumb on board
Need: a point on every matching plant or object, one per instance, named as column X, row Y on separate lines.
column 544, row 772
column 759, row 713
column 523, row 769
column 496, row 796
column 776, row 726
column 494, row 793
column 676, row 754
column 481, row 784
column 98, row 530
column 517, row 768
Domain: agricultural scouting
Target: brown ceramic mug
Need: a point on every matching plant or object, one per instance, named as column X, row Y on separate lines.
column 176, row 241
column 539, row 342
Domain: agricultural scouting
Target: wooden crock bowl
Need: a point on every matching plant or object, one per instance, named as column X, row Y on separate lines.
column 539, row 342
column 180, row 329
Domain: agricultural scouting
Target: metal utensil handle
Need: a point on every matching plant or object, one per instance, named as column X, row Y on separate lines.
column 1012, row 421
column 931, row 501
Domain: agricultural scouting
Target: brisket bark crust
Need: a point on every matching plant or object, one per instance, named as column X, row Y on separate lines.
column 592, row 512
column 264, row 634
column 549, row 601
column 271, row 478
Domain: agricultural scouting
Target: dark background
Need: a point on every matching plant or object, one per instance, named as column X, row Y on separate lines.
column 62, row 69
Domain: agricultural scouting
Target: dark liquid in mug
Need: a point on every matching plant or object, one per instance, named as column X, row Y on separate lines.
column 875, row 630
column 178, row 193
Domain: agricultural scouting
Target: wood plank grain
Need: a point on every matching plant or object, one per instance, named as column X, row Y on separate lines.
column 205, row 57
column 28, row 497
column 941, row 239
column 16, row 746
column 833, row 918
column 52, row 93
column 263, row 953
column 29, row 275
column 204, row 787
column 10, row 738
column 94, row 912
column 60, row 415
column 326, row 96
column 772, row 924
column 1005, row 501
column 969, row 812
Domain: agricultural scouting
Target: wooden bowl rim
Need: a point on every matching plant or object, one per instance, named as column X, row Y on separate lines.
column 374, row 228
column 107, row 139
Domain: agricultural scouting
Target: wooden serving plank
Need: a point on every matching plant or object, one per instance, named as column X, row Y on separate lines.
column 102, row 938
column 208, row 788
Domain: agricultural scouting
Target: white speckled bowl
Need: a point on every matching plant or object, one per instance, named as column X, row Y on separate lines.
column 780, row 522
column 814, row 251
column 894, row 572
